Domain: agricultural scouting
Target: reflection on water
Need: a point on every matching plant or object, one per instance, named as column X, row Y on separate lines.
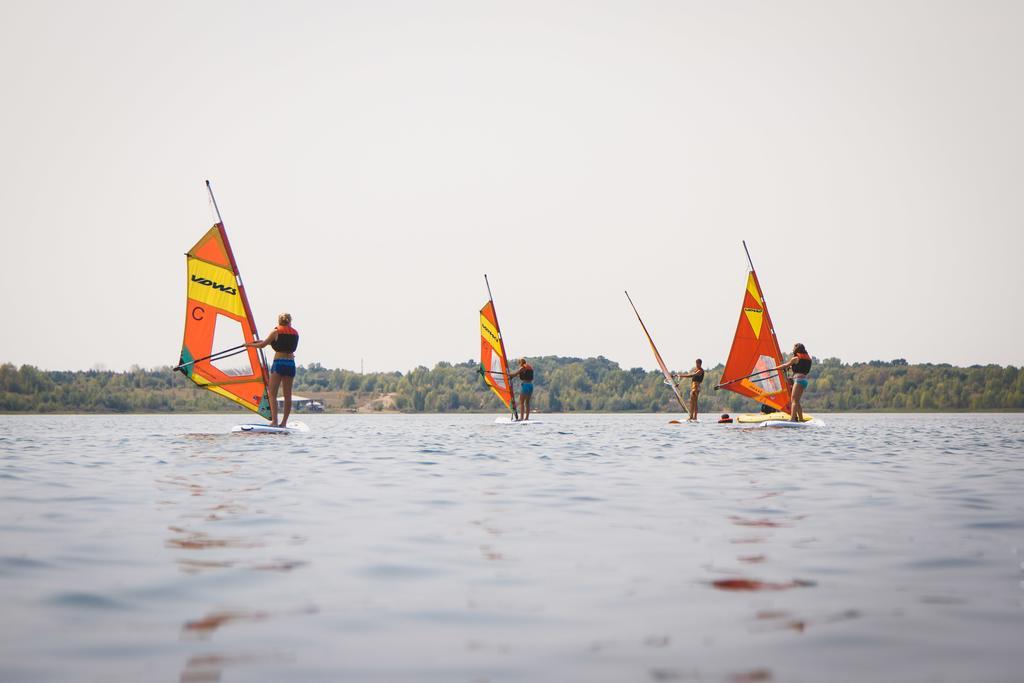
column 597, row 548
column 751, row 676
column 753, row 585
column 199, row 540
column 229, row 500
column 209, row 668
column 210, row 623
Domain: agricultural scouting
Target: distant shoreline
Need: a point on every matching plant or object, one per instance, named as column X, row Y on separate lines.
column 712, row 413
column 564, row 385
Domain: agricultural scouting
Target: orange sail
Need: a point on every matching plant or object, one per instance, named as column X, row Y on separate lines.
column 669, row 380
column 755, row 353
column 493, row 361
column 218, row 322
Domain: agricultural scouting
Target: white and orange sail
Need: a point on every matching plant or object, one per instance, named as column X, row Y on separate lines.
column 669, row 379
column 493, row 359
column 218, row 324
column 755, row 353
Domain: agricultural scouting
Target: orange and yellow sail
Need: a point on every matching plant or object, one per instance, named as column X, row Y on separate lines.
column 755, row 353
column 493, row 361
column 218, row 322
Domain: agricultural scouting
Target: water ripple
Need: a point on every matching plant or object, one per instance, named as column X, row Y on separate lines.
column 590, row 547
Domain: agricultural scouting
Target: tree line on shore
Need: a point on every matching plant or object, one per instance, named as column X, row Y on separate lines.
column 563, row 385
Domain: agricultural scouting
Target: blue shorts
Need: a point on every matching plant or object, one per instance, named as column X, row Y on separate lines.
column 526, row 389
column 283, row 366
column 802, row 382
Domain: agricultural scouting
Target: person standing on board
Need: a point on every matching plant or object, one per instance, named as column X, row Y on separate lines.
column 284, row 340
column 801, row 365
column 696, row 376
column 525, row 375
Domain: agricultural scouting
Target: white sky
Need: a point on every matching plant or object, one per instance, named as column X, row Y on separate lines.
column 372, row 160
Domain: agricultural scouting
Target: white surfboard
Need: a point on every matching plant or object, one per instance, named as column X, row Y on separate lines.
column 757, row 418
column 292, row 428
column 812, row 422
column 507, row 420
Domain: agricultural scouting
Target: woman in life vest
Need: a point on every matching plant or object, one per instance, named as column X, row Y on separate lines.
column 525, row 375
column 284, row 340
column 801, row 365
column 696, row 376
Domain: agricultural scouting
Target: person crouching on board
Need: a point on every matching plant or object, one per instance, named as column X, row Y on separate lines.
column 525, row 375
column 696, row 376
column 801, row 364
column 284, row 340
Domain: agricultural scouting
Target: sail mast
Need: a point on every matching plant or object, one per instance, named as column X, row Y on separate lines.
column 657, row 356
column 241, row 287
column 748, row 255
column 501, row 341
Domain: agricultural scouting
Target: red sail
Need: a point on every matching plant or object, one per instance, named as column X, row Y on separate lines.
column 755, row 353
column 493, row 363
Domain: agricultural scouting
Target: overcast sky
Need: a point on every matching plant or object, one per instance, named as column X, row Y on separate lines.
column 372, row 160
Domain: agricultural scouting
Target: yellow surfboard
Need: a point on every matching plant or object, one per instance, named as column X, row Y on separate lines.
column 754, row 418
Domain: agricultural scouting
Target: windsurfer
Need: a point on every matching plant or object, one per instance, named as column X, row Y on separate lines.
column 284, row 339
column 525, row 375
column 801, row 365
column 696, row 376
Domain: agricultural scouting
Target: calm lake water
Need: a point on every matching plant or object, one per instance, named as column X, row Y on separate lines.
column 447, row 548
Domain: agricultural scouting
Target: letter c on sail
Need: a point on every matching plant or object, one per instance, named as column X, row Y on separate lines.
column 197, row 313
